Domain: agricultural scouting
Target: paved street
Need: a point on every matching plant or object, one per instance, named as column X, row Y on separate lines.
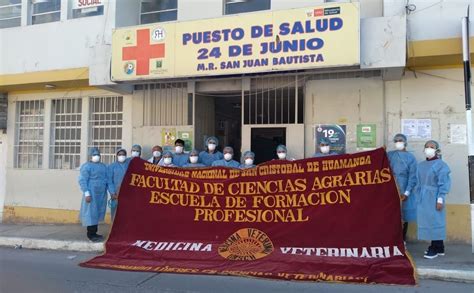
column 23, row 270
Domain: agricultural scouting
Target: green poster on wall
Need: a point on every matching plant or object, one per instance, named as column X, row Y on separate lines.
column 366, row 136
column 187, row 136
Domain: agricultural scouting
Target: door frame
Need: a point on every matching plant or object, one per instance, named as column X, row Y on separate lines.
column 3, row 171
column 295, row 142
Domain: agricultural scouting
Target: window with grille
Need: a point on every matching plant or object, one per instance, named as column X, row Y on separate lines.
column 274, row 100
column 10, row 13
column 65, row 148
column 167, row 104
column 44, row 11
column 105, row 126
column 152, row 11
column 3, row 111
column 29, row 134
column 242, row 6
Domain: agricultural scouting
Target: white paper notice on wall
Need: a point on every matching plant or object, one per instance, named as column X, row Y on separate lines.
column 81, row 4
column 417, row 128
column 458, row 133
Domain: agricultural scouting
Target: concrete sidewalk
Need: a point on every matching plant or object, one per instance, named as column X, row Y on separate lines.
column 456, row 265
column 53, row 237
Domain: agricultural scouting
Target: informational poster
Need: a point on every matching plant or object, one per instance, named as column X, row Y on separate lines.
column 168, row 136
column 187, row 136
column 335, row 133
column 417, row 128
column 366, row 136
column 457, row 133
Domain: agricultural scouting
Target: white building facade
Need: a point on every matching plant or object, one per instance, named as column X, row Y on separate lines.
column 55, row 74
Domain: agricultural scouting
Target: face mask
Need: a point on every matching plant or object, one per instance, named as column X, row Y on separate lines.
column 400, row 145
column 248, row 162
column 193, row 159
column 121, row 159
column 430, row 153
column 135, row 154
column 325, row 149
column 167, row 161
column 211, row 146
column 179, row 149
column 96, row 159
column 281, row 156
column 156, row 154
column 228, row 156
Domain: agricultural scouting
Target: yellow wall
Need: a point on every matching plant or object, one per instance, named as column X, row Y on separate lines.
column 61, row 79
column 439, row 53
column 18, row 214
column 458, row 218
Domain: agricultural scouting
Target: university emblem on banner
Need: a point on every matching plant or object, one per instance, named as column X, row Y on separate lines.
column 246, row 244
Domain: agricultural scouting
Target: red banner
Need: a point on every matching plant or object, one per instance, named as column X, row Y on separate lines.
column 321, row 219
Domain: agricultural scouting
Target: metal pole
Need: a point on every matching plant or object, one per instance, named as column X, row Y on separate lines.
column 467, row 93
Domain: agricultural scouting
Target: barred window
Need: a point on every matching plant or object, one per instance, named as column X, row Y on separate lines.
column 105, row 126
column 66, row 134
column 166, row 104
column 3, row 111
column 29, row 135
column 274, row 100
column 10, row 13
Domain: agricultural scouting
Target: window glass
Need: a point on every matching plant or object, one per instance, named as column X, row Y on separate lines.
column 152, row 11
column 240, row 6
column 10, row 13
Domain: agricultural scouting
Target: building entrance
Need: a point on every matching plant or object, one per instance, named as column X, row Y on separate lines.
column 265, row 141
column 219, row 115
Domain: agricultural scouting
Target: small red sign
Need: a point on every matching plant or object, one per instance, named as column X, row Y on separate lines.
column 318, row 12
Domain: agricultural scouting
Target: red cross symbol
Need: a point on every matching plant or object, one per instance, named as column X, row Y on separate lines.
column 143, row 52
